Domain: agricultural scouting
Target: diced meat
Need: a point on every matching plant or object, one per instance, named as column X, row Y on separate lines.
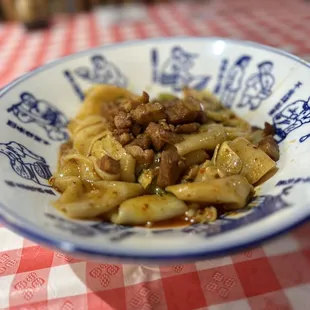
column 143, row 141
column 183, row 111
column 270, row 147
column 153, row 131
column 118, row 132
column 160, row 136
column 269, row 130
column 202, row 118
column 146, row 113
column 110, row 109
column 170, row 137
column 172, row 166
column 122, row 120
column 165, row 126
column 136, row 129
column 187, row 128
column 167, row 103
column 145, row 98
column 124, row 138
column 141, row 156
column 131, row 104
column 109, row 165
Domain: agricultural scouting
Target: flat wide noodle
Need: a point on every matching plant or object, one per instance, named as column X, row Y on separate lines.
column 133, row 160
column 85, row 139
column 233, row 192
column 149, row 208
column 204, row 140
column 256, row 163
column 102, row 197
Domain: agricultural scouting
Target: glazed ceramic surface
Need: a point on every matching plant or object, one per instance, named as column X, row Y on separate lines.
column 259, row 83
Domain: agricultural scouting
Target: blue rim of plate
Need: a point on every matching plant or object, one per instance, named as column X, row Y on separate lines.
column 68, row 246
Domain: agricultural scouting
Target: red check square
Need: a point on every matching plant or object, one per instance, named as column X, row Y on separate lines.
column 107, row 300
column 35, row 258
column 184, row 291
column 257, row 277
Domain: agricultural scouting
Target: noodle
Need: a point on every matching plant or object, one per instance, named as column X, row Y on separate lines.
column 132, row 160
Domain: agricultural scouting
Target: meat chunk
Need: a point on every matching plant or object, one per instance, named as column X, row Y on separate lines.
column 109, row 165
column 122, row 120
column 143, row 141
column 183, row 111
column 269, row 130
column 146, row 113
column 270, row 147
column 110, row 109
column 118, row 132
column 124, row 138
column 168, row 103
column 136, row 129
column 171, row 168
column 153, row 131
column 161, row 136
column 164, row 125
column 141, row 156
column 187, row 128
column 132, row 104
column 202, row 118
column 145, row 98
column 170, row 137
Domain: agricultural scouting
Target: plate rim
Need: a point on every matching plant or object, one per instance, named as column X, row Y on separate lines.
column 71, row 247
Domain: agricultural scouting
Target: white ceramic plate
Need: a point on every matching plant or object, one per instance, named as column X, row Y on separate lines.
column 260, row 83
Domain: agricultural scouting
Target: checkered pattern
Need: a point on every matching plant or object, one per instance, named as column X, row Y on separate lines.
column 273, row 276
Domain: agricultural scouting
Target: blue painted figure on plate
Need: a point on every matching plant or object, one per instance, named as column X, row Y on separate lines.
column 292, row 117
column 32, row 110
column 176, row 70
column 234, row 79
column 25, row 163
column 258, row 86
column 102, row 72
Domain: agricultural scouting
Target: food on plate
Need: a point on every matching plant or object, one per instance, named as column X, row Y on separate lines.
column 136, row 161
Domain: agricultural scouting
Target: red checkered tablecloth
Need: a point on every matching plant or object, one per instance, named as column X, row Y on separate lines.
column 275, row 275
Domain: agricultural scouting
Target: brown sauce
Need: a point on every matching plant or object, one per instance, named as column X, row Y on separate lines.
column 172, row 223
